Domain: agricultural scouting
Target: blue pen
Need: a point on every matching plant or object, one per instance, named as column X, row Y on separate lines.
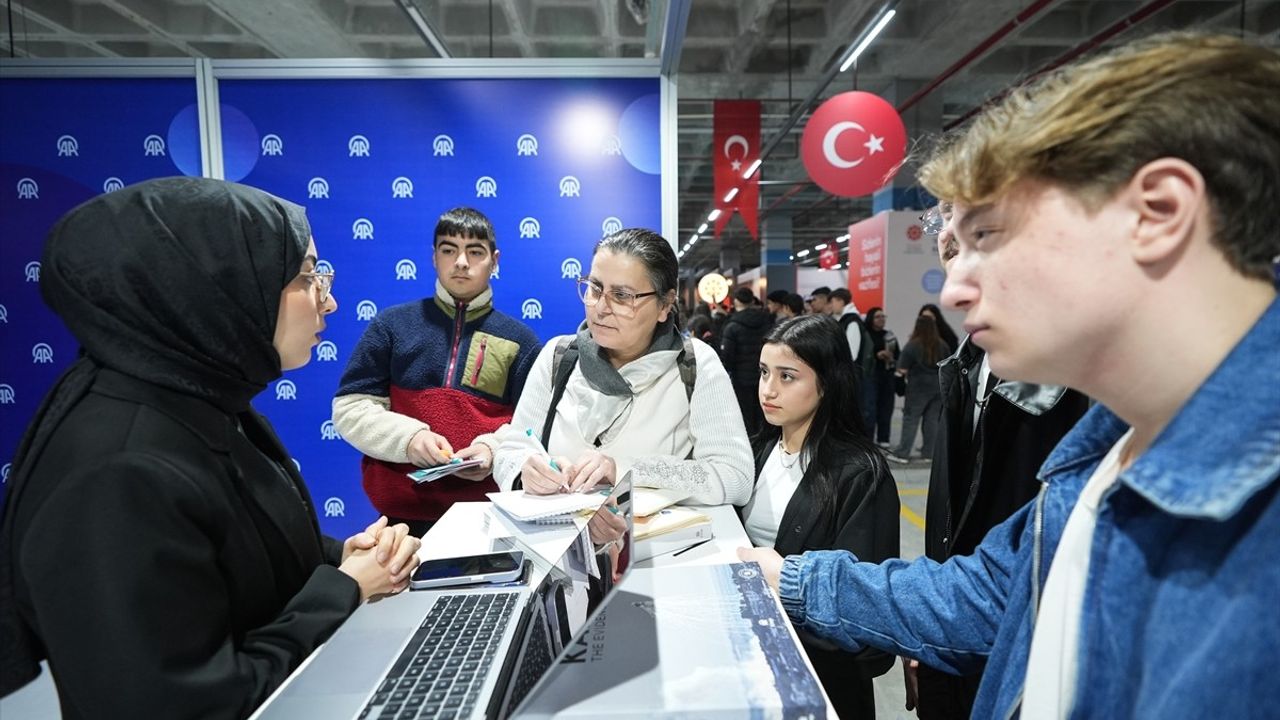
column 545, row 454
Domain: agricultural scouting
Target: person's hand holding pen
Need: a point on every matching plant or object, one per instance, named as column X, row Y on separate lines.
column 594, row 468
column 541, row 474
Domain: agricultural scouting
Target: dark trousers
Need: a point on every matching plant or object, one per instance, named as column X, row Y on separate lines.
column 945, row 697
column 877, row 400
column 922, row 408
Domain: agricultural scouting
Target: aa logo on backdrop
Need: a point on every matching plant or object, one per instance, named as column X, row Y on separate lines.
column 326, row 351
column 530, row 228
column 328, row 431
column 272, row 145
column 318, row 188
column 358, row 146
column 41, row 354
column 406, row 270
column 7, row 396
column 28, row 189
column 366, row 310
column 153, row 146
column 531, row 309
column 571, row 268
column 286, row 390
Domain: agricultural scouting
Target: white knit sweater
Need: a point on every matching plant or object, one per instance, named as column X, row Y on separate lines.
column 666, row 440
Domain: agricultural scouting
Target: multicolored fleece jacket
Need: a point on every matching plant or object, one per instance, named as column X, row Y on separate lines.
column 454, row 368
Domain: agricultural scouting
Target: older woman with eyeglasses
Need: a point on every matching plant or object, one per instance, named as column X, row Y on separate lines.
column 627, row 393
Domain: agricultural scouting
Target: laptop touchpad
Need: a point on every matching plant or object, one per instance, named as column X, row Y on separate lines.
column 351, row 662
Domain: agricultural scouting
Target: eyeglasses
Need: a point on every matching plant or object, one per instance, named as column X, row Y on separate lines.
column 936, row 218
column 624, row 302
column 322, row 282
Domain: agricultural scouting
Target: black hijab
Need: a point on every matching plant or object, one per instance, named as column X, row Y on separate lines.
column 175, row 282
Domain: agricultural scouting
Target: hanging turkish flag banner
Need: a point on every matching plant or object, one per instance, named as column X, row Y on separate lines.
column 829, row 257
column 853, row 144
column 735, row 146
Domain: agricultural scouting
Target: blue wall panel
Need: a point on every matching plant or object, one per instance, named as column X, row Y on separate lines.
column 64, row 141
column 552, row 162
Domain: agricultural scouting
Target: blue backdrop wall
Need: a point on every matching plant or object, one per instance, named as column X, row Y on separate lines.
column 66, row 140
column 554, row 162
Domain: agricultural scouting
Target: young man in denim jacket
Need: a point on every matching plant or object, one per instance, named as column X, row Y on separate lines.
column 1142, row 579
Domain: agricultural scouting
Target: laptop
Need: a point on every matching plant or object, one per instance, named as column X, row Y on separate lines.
column 475, row 653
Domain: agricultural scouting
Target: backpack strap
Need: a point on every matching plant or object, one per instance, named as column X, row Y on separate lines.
column 687, row 361
column 562, row 364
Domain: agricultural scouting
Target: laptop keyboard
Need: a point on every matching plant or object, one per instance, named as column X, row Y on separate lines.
column 440, row 672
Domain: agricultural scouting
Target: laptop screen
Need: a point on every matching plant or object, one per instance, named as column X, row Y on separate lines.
column 574, row 590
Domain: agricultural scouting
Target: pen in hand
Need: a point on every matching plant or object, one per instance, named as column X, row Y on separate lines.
column 564, row 487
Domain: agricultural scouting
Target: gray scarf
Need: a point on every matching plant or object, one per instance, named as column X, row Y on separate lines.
column 602, row 375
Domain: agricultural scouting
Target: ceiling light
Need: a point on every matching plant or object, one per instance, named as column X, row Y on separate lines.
column 843, row 238
column 731, row 195
column 836, row 266
column 714, row 214
column 702, row 228
column 751, row 169
column 802, row 253
column 871, row 36
column 820, row 247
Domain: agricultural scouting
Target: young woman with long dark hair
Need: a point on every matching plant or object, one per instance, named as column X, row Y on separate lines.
column 821, row 484
column 923, row 405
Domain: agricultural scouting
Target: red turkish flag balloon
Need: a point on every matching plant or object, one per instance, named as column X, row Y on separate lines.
column 853, row 144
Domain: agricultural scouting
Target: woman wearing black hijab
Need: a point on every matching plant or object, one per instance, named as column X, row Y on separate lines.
column 159, row 547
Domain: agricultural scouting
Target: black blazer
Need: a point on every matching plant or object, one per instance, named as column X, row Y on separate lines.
column 171, row 565
column 978, row 479
column 863, row 521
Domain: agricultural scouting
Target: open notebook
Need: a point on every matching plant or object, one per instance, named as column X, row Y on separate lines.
column 546, row 508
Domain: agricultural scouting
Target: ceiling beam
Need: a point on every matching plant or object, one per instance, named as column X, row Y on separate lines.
column 518, row 33
column 290, row 28
column 64, row 33
column 424, row 27
column 152, row 27
column 675, row 22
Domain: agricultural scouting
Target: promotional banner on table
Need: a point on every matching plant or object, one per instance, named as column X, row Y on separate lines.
column 555, row 164
column 65, row 141
column 735, row 146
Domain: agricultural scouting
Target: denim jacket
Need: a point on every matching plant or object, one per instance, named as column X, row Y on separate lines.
column 1179, row 615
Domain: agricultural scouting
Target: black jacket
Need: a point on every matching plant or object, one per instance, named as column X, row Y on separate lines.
column 740, row 343
column 864, row 521
column 979, row 479
column 169, row 564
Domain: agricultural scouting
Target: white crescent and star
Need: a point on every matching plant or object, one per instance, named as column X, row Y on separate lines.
column 736, row 163
column 874, row 144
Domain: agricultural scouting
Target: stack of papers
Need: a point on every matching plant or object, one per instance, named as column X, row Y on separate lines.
column 647, row 501
column 670, row 520
column 545, row 508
